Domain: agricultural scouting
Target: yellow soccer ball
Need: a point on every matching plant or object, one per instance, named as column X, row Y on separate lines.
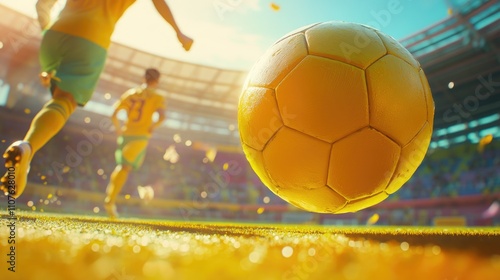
column 335, row 117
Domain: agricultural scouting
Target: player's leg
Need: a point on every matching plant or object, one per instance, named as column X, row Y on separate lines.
column 49, row 121
column 44, row 125
column 117, row 180
column 73, row 66
column 129, row 155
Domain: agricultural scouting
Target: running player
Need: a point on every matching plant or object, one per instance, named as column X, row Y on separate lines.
column 72, row 55
column 140, row 104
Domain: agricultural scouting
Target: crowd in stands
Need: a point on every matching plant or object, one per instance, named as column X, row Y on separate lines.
column 70, row 160
column 457, row 171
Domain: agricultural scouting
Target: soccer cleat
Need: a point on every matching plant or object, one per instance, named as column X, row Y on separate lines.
column 111, row 209
column 17, row 163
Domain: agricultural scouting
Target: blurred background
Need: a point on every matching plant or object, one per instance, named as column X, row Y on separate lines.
column 195, row 164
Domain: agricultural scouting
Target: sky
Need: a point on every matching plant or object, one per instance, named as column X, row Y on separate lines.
column 233, row 34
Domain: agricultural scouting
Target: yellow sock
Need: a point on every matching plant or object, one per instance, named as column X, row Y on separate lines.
column 48, row 122
column 116, row 182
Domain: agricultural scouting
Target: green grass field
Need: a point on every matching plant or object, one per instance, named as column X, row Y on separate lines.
column 50, row 246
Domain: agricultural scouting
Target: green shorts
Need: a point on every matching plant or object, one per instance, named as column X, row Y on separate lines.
column 77, row 63
column 131, row 150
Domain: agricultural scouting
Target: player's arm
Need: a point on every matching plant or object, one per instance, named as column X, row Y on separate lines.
column 119, row 105
column 43, row 10
column 164, row 10
column 161, row 118
column 116, row 121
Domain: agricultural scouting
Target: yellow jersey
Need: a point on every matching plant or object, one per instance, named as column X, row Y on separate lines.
column 93, row 20
column 140, row 103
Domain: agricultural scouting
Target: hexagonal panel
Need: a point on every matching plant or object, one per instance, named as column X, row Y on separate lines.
column 258, row 117
column 428, row 98
column 295, row 160
column 324, row 98
column 395, row 48
column 278, row 61
column 256, row 161
column 411, row 157
column 397, row 99
column 319, row 200
column 347, row 42
column 360, row 162
column 360, row 204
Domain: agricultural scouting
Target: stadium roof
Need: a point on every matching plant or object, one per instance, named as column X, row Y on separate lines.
column 461, row 58
column 458, row 54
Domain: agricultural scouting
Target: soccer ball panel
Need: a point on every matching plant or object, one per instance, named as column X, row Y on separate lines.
column 324, row 98
column 356, row 205
column 258, row 116
column 351, row 43
column 320, row 200
column 256, row 161
column 411, row 157
column 296, row 160
column 395, row 48
column 278, row 61
column 397, row 99
column 360, row 162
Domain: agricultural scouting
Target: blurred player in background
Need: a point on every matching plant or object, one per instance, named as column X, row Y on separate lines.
column 72, row 56
column 140, row 104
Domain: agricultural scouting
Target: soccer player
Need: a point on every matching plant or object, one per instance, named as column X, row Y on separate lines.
column 72, row 55
column 140, row 104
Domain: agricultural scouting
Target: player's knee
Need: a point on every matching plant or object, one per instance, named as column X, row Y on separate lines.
column 126, row 168
column 65, row 98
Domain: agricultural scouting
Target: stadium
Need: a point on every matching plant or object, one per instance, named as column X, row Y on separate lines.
column 211, row 216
